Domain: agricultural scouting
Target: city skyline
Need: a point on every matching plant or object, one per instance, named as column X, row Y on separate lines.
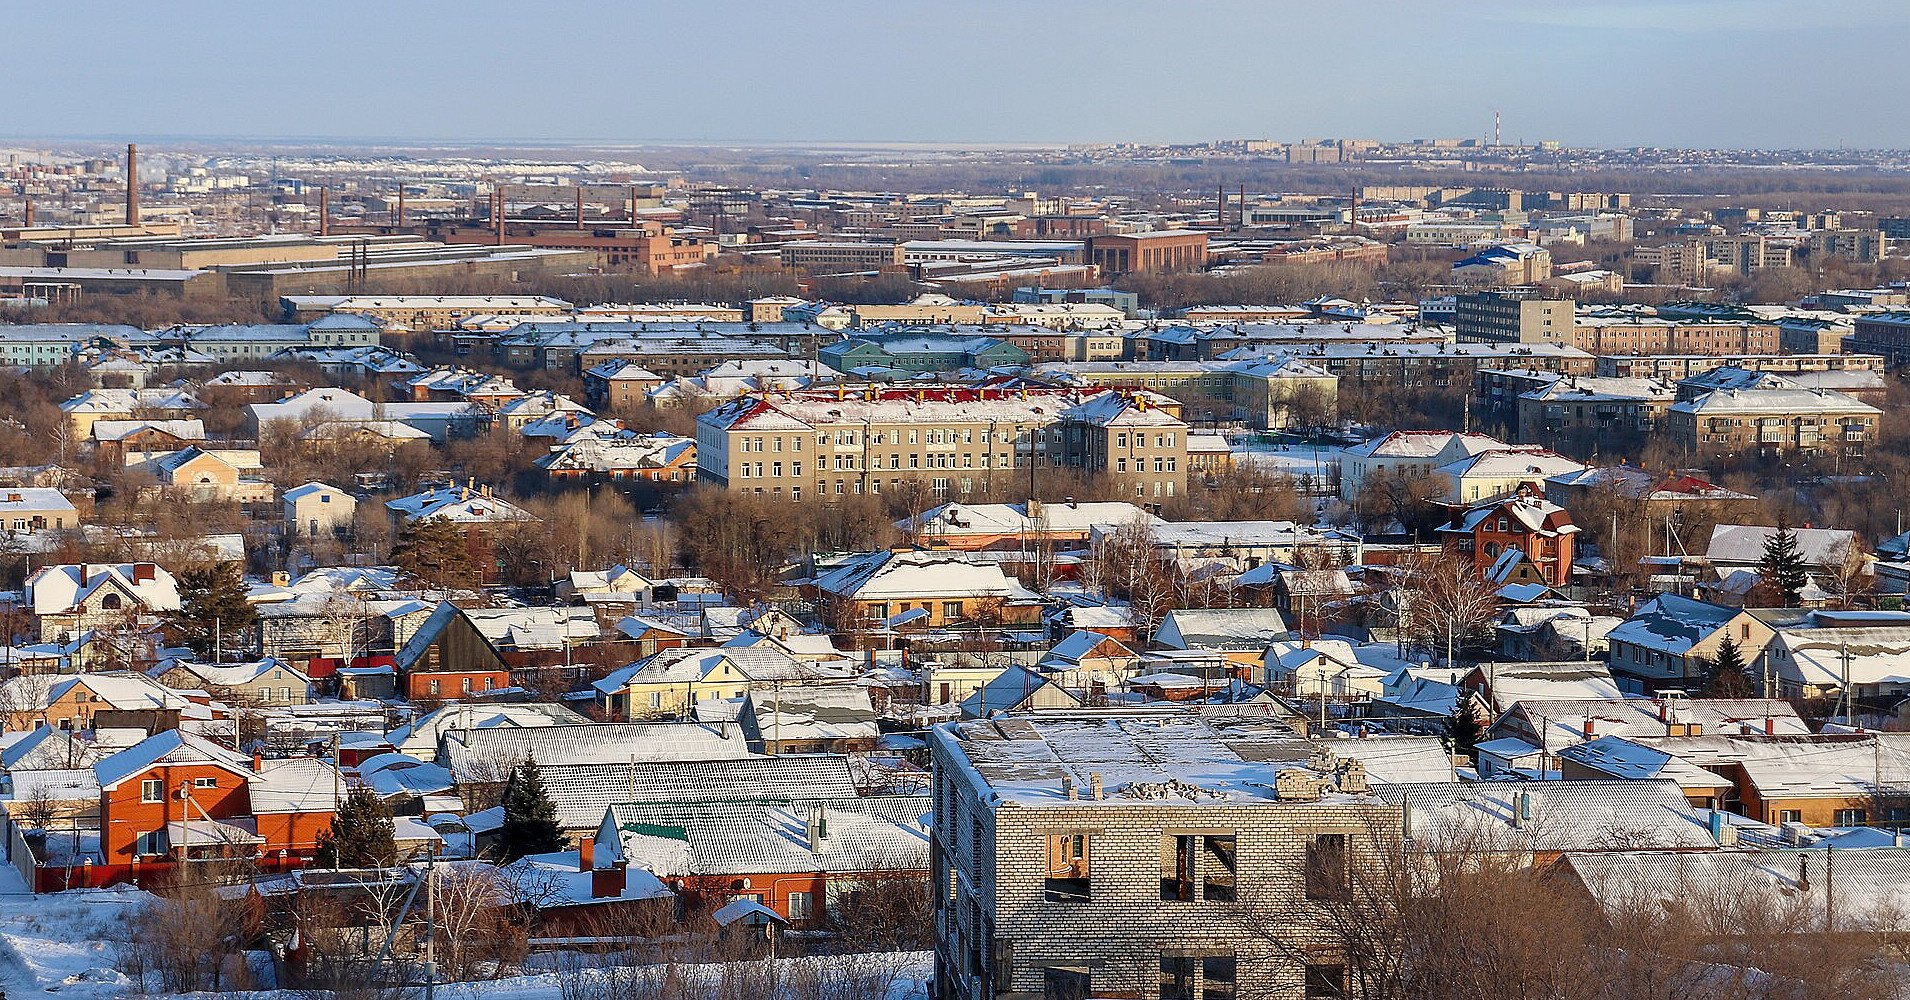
column 1001, row 73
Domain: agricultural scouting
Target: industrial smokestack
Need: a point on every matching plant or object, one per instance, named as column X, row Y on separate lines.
column 324, row 211
column 633, row 204
column 132, row 184
column 29, row 218
column 401, row 203
column 497, row 215
column 580, row 208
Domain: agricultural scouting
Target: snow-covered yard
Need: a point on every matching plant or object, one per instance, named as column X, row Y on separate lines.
column 63, row 942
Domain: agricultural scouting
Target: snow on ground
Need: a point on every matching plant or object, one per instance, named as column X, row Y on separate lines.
column 910, row 980
column 1293, row 460
column 63, row 942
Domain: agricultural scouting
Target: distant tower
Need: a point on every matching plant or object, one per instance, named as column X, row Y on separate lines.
column 132, row 184
column 1495, row 128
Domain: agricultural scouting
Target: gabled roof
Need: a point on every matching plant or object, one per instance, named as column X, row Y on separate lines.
column 477, row 754
column 1221, row 628
column 730, row 838
column 1672, row 624
column 582, row 792
column 1743, row 544
column 1573, row 815
column 172, row 747
column 53, row 590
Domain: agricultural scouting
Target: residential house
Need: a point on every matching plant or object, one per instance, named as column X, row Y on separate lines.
column 1670, row 641
column 1084, row 659
column 478, row 515
column 1017, row 689
column 33, row 701
column 674, row 681
column 1241, row 635
column 174, row 797
column 259, row 683
column 802, row 858
column 317, row 509
column 448, row 657
column 948, row 589
column 1541, row 532
column 1063, row 852
column 73, row 598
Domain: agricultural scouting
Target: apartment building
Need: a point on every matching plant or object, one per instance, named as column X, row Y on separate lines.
column 1578, row 404
column 1261, row 390
column 1069, row 862
column 1626, row 334
column 419, row 312
column 1884, row 333
column 1519, row 316
column 1773, row 423
column 960, row 441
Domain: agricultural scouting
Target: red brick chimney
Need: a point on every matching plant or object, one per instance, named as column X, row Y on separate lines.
column 607, row 883
column 132, row 184
column 586, row 854
column 324, row 211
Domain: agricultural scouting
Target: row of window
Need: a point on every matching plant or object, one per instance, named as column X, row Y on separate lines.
column 1194, row 867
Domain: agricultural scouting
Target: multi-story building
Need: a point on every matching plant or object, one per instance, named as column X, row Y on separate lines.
column 1744, row 254
column 419, row 312
column 1862, row 246
column 1261, row 390
column 1773, row 422
column 1884, row 333
column 837, row 255
column 1068, row 862
column 1676, row 367
column 1513, row 316
column 1627, row 334
column 960, row 441
column 1143, row 253
column 1436, row 365
column 1539, row 531
column 1579, row 404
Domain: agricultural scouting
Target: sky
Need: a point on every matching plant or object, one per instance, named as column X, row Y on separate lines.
column 1710, row 73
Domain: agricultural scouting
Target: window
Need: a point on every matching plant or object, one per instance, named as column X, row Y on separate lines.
column 152, row 790
column 656, row 699
column 1326, row 874
column 801, row 906
column 147, row 844
column 1790, row 816
column 878, row 611
column 1217, row 977
column 1325, row 981
column 1068, row 867
column 1177, row 869
column 1218, row 865
column 951, row 610
column 205, row 782
column 1177, row 977
column 434, row 687
column 1066, row 984
column 1850, row 817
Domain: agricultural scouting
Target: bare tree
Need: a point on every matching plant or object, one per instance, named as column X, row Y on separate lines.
column 1446, row 602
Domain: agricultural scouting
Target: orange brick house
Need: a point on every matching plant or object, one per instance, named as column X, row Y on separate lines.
column 174, row 798
column 1526, row 522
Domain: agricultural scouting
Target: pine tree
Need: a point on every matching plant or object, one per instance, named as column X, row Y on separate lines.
column 213, row 608
column 1462, row 727
column 530, row 817
column 1782, row 566
column 1726, row 675
column 433, row 551
column 361, row 834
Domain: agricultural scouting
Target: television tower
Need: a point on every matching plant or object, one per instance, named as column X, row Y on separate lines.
column 1495, row 128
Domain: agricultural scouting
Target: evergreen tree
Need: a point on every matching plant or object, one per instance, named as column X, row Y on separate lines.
column 530, row 817
column 1463, row 728
column 1726, row 676
column 361, row 834
column 433, row 551
column 213, row 608
column 1782, row 566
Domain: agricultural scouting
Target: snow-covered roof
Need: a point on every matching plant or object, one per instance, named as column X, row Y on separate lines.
column 676, row 839
column 1671, row 624
column 1743, row 544
column 1221, row 628
column 477, row 754
column 53, row 590
column 888, row 576
column 1575, row 815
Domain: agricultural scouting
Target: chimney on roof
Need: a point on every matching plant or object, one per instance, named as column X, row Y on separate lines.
column 1067, row 788
column 258, row 761
column 607, row 883
column 586, row 853
column 1521, row 810
column 132, row 184
column 1094, row 786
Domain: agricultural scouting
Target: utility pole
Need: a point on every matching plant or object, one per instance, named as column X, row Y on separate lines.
column 430, row 926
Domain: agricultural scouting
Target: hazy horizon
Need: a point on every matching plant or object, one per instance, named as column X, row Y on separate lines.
column 1667, row 73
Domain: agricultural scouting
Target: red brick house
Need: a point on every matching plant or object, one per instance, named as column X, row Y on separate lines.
column 448, row 657
column 1526, row 522
column 175, row 797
